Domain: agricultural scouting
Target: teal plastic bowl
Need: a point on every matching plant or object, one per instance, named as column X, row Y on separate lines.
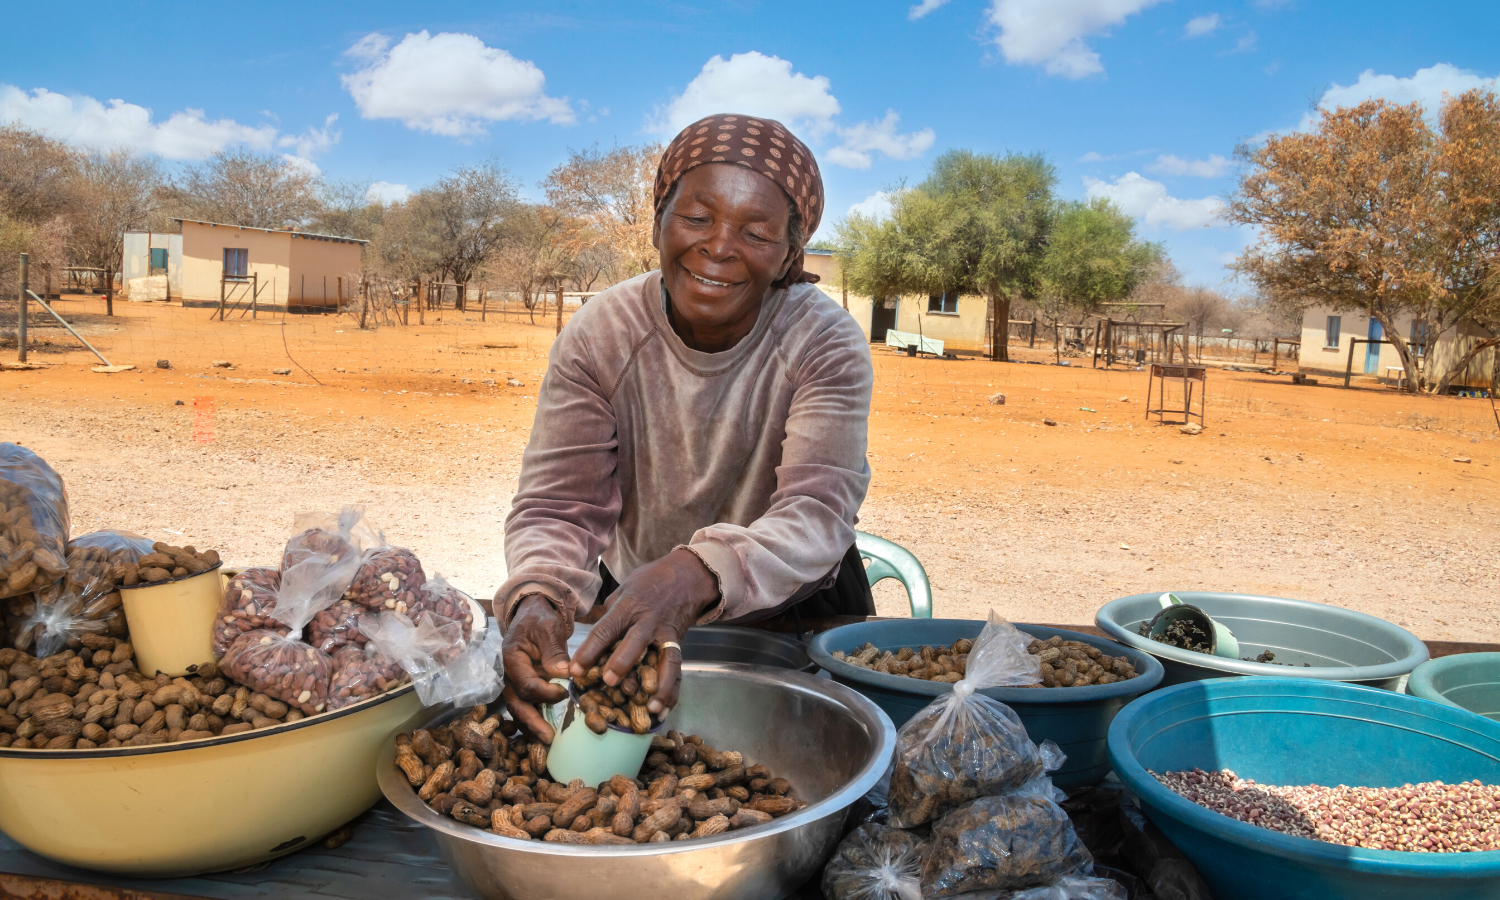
column 1293, row 731
column 1310, row 640
column 1467, row 680
column 1076, row 718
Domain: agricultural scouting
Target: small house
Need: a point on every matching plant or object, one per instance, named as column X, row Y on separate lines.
column 152, row 265
column 960, row 321
column 1328, row 337
column 282, row 268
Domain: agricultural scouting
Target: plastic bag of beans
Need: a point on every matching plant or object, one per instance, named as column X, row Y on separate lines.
column 964, row 745
column 875, row 863
column 33, row 522
column 248, row 600
column 282, row 666
column 360, row 672
column 1007, row 842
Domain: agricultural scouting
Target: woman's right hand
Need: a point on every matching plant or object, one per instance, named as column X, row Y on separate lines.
column 535, row 650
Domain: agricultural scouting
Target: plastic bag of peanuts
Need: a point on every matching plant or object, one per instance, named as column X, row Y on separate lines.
column 85, row 601
column 248, row 600
column 389, row 578
column 282, row 666
column 444, row 667
column 322, row 558
column 34, row 522
column 360, row 672
column 875, row 863
column 964, row 745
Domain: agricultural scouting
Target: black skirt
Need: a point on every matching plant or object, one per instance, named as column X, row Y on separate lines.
column 849, row 595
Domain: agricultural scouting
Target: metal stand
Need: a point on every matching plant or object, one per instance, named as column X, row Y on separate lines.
column 1157, row 382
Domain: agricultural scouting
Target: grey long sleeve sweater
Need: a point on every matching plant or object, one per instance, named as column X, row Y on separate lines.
column 754, row 458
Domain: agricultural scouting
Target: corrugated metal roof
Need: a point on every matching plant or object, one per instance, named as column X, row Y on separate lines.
column 300, row 234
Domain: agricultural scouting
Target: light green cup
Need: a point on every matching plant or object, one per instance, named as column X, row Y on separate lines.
column 577, row 752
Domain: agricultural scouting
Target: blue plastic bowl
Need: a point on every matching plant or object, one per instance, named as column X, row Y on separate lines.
column 1467, row 680
column 1076, row 718
column 1292, row 731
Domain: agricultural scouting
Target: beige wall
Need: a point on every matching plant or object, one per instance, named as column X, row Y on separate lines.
column 315, row 259
column 203, row 260
column 1317, row 357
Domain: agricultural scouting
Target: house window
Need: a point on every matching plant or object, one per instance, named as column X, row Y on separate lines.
column 236, row 262
column 1419, row 336
column 944, row 304
column 1332, row 339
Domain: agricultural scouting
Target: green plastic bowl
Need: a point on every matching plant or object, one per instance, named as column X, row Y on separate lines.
column 1467, row 680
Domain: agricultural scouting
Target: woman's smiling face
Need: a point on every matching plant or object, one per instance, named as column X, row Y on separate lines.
column 723, row 238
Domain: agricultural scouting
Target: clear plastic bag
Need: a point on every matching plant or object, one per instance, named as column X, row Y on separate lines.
column 875, row 863
column 34, row 522
column 319, row 563
column 389, row 578
column 443, row 667
column 282, row 666
column 97, row 562
column 338, row 625
column 1019, row 839
column 964, row 745
column 445, row 601
column 360, row 673
column 1069, row 887
column 248, row 601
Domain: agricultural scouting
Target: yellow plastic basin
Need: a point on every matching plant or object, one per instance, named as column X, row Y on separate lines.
column 201, row 806
column 171, row 622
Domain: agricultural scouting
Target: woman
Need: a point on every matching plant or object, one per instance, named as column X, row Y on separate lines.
column 702, row 428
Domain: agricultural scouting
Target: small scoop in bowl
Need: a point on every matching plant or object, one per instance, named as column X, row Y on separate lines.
column 1190, row 628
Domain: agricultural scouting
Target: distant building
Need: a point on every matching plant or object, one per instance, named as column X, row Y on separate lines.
column 958, row 320
column 155, row 256
column 1328, row 334
column 285, row 267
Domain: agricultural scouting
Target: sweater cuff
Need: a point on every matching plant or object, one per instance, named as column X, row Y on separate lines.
column 724, row 564
column 556, row 593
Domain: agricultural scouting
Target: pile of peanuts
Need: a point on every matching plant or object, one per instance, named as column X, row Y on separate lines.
column 1431, row 817
column 945, row 664
column 164, row 563
column 470, row 771
column 623, row 705
column 95, row 697
column 1064, row 663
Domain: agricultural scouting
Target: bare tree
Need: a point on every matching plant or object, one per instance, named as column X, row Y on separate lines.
column 608, row 194
column 34, row 174
column 241, row 187
column 113, row 192
column 464, row 217
column 534, row 255
column 346, row 210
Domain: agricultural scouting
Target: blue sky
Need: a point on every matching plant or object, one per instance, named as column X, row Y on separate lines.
column 1140, row 100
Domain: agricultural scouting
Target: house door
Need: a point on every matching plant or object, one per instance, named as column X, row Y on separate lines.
column 1372, row 351
column 882, row 318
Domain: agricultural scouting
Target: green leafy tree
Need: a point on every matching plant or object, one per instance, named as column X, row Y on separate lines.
column 978, row 224
column 1091, row 257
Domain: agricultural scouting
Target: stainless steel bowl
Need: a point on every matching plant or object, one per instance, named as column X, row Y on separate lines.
column 832, row 744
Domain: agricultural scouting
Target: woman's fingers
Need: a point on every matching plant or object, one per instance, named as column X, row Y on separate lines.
column 527, row 716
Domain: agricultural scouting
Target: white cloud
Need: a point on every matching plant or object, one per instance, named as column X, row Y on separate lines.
column 923, row 8
column 1051, row 32
column 1201, row 25
column 303, row 163
column 316, row 141
column 860, row 140
column 1427, row 87
column 1149, row 201
column 386, row 192
column 1212, row 167
column 757, row 85
column 450, row 84
column 1247, row 43
column 876, row 206
column 81, row 120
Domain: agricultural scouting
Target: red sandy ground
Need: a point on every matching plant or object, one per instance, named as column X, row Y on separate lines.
column 1352, row 497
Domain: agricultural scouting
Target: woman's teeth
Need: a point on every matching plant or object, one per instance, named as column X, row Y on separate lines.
column 709, row 281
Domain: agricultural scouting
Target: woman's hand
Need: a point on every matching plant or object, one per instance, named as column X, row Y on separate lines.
column 535, row 650
column 656, row 604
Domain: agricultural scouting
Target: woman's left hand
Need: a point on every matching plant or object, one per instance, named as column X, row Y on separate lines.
column 657, row 603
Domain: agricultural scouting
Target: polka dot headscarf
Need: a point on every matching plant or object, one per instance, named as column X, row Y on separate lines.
column 762, row 145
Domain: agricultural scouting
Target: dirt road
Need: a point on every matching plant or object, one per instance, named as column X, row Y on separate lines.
column 1349, row 497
